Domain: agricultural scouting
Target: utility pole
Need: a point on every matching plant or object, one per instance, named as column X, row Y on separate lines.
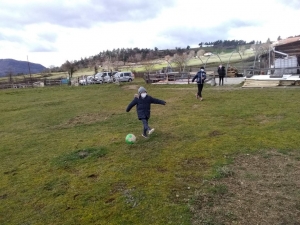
column 29, row 70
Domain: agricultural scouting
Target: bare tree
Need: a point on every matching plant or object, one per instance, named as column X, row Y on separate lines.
column 51, row 67
column 168, row 58
column 70, row 67
column 10, row 74
column 138, row 57
column 181, row 60
column 107, row 64
column 242, row 49
column 94, row 64
column 149, row 63
column 117, row 64
column 192, row 54
column 200, row 53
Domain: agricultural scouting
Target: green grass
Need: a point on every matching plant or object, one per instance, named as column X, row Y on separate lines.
column 64, row 160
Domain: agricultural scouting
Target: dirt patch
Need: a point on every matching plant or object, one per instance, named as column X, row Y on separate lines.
column 131, row 87
column 264, row 119
column 263, row 188
column 89, row 118
column 215, row 133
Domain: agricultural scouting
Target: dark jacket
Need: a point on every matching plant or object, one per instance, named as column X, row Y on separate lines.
column 221, row 71
column 143, row 106
column 200, row 76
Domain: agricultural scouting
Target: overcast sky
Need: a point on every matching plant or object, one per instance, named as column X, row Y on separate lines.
column 50, row 32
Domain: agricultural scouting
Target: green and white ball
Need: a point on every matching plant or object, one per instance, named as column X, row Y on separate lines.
column 130, row 138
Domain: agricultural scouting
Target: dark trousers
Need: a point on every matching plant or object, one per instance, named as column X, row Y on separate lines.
column 200, row 87
column 146, row 126
column 221, row 80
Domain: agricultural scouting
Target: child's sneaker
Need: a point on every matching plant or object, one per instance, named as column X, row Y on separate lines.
column 144, row 135
column 151, row 131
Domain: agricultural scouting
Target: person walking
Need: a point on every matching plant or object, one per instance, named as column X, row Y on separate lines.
column 222, row 73
column 143, row 103
column 200, row 76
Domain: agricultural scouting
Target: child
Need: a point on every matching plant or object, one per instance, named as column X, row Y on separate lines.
column 200, row 76
column 143, row 104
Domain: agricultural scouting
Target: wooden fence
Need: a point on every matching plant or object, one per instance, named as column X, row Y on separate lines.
column 172, row 76
column 32, row 83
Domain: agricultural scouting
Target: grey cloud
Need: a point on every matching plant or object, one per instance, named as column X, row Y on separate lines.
column 183, row 36
column 48, row 37
column 42, row 48
column 10, row 38
column 51, row 37
column 80, row 14
column 39, row 46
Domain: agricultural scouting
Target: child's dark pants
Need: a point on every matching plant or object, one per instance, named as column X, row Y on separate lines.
column 200, row 87
column 146, row 126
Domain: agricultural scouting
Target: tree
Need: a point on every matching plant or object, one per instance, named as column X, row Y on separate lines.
column 10, row 74
column 149, row 62
column 242, row 49
column 279, row 38
column 51, row 67
column 94, row 64
column 107, row 65
column 70, row 67
column 168, row 58
column 117, row 65
column 138, row 57
column 180, row 60
column 200, row 53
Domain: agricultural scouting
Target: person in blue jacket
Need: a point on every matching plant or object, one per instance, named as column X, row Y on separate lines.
column 143, row 103
column 200, row 76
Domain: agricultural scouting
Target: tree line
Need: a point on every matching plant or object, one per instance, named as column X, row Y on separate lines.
column 121, row 56
column 226, row 43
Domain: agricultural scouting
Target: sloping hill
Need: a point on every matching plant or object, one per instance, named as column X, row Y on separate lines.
column 18, row 67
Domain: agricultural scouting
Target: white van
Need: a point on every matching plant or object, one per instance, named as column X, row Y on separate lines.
column 104, row 77
column 123, row 76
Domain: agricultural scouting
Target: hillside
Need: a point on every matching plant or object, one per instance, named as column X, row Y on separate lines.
column 18, row 67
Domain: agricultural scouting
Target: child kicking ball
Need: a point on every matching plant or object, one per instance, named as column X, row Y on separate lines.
column 143, row 103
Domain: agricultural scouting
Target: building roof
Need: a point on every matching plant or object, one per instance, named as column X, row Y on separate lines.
column 286, row 41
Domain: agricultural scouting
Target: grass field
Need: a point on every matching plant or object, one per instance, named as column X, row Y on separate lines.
column 64, row 160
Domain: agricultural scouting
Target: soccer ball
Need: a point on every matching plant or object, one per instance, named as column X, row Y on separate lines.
column 130, row 138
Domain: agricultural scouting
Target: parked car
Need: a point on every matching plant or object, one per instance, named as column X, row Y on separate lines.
column 123, row 76
column 105, row 77
column 98, row 78
column 87, row 80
